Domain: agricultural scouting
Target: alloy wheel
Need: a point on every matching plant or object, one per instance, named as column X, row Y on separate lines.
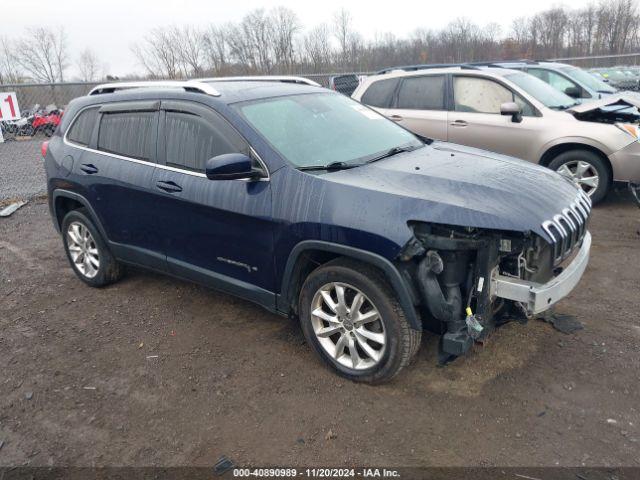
column 348, row 326
column 582, row 173
column 83, row 249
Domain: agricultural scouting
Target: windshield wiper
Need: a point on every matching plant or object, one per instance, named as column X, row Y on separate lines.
column 391, row 152
column 330, row 166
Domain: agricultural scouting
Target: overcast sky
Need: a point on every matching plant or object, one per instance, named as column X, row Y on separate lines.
column 110, row 27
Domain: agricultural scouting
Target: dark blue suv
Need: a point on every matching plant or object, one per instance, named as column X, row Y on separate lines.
column 316, row 207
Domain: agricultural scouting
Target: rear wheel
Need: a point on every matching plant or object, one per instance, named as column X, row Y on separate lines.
column 587, row 169
column 87, row 252
column 352, row 319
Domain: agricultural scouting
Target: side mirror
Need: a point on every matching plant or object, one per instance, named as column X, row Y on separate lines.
column 512, row 109
column 230, row 166
column 573, row 92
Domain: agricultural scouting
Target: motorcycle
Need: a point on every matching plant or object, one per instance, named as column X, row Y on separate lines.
column 21, row 127
column 46, row 122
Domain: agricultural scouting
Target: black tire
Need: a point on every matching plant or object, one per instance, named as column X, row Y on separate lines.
column 402, row 342
column 595, row 161
column 109, row 269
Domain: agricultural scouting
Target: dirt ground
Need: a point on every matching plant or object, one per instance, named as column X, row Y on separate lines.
column 154, row 371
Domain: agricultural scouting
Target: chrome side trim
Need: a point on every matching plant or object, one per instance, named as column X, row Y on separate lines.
column 187, row 85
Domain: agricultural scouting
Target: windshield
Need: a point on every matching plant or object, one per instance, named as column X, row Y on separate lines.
column 319, row 129
column 586, row 79
column 541, row 91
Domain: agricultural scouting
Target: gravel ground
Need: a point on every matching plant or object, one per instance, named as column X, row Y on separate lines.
column 21, row 170
column 156, row 371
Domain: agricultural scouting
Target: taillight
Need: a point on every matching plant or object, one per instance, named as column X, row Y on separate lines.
column 44, row 148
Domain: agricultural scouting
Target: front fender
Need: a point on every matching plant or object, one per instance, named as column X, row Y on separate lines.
column 399, row 285
column 577, row 140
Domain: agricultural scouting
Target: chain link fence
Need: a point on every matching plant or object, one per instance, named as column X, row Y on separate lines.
column 59, row 94
column 602, row 61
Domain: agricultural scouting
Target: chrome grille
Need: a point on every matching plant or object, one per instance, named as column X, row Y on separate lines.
column 567, row 228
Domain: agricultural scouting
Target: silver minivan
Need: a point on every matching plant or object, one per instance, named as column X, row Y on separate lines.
column 517, row 114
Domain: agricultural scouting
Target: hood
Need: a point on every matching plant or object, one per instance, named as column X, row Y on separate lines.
column 610, row 100
column 455, row 185
column 610, row 109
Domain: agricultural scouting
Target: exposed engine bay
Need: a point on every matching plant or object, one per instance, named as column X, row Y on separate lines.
column 453, row 271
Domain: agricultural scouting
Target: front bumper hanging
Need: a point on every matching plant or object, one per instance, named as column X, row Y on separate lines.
column 538, row 297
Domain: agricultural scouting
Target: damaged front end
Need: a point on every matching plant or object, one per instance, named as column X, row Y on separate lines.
column 469, row 280
column 616, row 110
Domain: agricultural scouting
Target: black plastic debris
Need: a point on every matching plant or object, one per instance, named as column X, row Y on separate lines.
column 562, row 322
column 222, row 465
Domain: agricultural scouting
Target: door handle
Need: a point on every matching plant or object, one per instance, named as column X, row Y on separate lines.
column 89, row 168
column 459, row 123
column 396, row 118
column 169, row 187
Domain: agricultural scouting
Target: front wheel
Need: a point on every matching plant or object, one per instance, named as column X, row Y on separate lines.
column 587, row 169
column 352, row 319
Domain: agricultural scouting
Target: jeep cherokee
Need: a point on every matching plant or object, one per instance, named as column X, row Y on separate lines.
column 313, row 206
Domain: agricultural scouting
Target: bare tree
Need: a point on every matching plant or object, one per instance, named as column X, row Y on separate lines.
column 285, row 26
column 9, row 70
column 159, row 54
column 272, row 41
column 216, row 48
column 342, row 26
column 317, row 48
column 88, row 65
column 191, row 49
column 43, row 54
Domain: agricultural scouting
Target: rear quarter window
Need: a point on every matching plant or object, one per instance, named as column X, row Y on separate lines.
column 129, row 134
column 82, row 127
column 380, row 93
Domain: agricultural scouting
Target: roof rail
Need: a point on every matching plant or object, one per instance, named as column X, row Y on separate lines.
column 189, row 86
column 412, row 68
column 500, row 63
column 260, row 78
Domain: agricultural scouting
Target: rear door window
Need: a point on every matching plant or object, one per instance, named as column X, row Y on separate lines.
column 192, row 139
column 82, row 128
column 380, row 93
column 422, row 93
column 129, row 134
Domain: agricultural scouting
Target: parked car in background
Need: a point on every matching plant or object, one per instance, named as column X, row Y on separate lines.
column 314, row 206
column 345, row 84
column 572, row 81
column 517, row 114
column 620, row 79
